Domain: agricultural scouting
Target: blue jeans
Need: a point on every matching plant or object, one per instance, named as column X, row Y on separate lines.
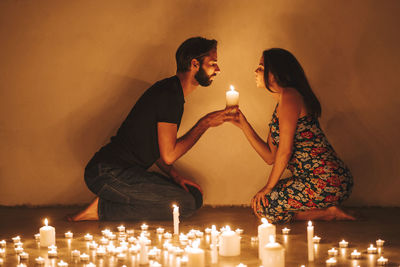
column 133, row 193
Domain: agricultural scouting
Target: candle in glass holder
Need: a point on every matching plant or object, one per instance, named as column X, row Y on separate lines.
column 19, row 250
column 16, row 239
column 52, row 253
column 37, row 237
column 232, row 97
column 84, row 257
column 62, row 264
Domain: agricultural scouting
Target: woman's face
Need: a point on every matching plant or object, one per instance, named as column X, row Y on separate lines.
column 260, row 74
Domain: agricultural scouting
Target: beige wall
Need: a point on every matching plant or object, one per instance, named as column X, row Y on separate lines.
column 71, row 70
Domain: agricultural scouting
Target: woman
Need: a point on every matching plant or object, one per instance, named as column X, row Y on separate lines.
column 320, row 180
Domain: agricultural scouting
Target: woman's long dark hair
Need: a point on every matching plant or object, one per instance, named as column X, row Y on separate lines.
column 289, row 73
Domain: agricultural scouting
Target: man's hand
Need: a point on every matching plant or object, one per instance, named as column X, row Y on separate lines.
column 183, row 182
column 218, row 117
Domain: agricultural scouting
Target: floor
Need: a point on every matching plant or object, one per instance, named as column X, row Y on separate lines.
column 374, row 223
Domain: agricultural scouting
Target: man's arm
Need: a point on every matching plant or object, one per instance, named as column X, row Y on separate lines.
column 172, row 148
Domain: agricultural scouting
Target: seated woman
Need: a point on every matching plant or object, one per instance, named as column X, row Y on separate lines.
column 320, row 181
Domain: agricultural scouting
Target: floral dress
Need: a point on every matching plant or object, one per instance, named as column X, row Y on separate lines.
column 320, row 179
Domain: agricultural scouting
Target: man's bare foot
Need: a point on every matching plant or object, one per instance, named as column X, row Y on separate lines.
column 339, row 214
column 88, row 214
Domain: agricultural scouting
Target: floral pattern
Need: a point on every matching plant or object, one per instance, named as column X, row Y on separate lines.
column 320, row 179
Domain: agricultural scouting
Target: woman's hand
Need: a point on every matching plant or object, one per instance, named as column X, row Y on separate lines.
column 218, row 117
column 239, row 119
column 260, row 198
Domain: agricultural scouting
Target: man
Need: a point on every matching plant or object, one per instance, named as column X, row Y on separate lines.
column 118, row 174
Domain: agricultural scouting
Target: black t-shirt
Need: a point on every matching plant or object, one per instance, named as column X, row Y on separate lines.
column 136, row 141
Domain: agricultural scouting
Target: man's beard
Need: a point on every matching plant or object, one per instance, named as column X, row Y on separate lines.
column 202, row 78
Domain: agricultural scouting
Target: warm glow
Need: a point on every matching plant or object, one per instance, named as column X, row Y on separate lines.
column 264, row 221
column 232, row 88
column 309, row 223
column 46, row 222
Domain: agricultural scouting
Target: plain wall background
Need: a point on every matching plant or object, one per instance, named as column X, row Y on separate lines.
column 70, row 71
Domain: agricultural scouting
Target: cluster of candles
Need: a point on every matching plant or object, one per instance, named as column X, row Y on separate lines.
column 178, row 249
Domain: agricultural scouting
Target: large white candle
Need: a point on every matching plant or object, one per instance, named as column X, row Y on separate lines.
column 310, row 235
column 232, row 97
column 176, row 219
column 47, row 235
column 143, row 257
column 229, row 243
column 264, row 231
column 195, row 255
column 273, row 254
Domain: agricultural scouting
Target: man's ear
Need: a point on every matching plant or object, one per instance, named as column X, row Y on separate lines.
column 195, row 64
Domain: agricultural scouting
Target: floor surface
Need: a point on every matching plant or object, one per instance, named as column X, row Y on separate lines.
column 374, row 223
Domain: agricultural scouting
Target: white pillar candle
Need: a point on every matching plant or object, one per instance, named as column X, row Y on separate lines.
column 355, row 254
column 232, row 97
column 195, row 255
column 69, row 234
column 39, row 260
column 47, row 235
column 264, row 231
column 143, row 257
column 285, row 231
column 310, row 235
column 273, row 254
column 343, row 244
column 176, row 219
column 380, row 242
column 371, row 249
column 229, row 243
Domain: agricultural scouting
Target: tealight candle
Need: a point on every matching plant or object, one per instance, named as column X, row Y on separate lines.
column 37, row 237
column 18, row 250
column 331, row 262
column 371, row 249
column 355, row 254
column 285, row 231
column 16, row 239
column 207, row 231
column 69, row 234
column 23, row 255
column 382, row 261
column 88, row 237
column 75, row 253
column 200, row 234
column 105, row 232
column 2, row 252
column 316, row 239
column 18, row 244
column 52, row 253
column 62, row 264
column 101, row 251
column 241, row 265
column 232, row 97
column 121, row 228
column 103, row 241
column 160, row 230
column 132, row 239
column 264, row 231
column 229, row 243
column 121, row 256
column 273, row 254
column 47, row 235
column 1, row 261
column 39, row 260
column 195, row 255
column 91, row 264
column 3, row 244
column 52, row 247
column 112, row 236
column 130, row 231
column 167, row 235
column 84, row 257
column 333, row 252
column 155, row 264
column 343, row 244
column 380, row 242
column 239, row 231
column 144, row 227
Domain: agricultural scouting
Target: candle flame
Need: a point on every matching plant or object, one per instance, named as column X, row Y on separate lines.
column 264, row 220
column 232, row 88
column 309, row 223
column 196, row 243
column 46, row 222
column 227, row 228
column 174, row 206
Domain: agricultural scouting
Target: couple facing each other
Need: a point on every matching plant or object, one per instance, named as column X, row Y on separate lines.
column 125, row 190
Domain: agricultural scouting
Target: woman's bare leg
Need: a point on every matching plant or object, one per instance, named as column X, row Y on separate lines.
column 328, row 214
column 88, row 214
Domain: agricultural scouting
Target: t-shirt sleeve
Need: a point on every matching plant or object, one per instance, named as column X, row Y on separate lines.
column 168, row 108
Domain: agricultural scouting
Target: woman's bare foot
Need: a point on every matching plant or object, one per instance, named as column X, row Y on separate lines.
column 88, row 214
column 339, row 214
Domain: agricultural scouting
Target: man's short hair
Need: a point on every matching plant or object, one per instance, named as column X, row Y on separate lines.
column 193, row 48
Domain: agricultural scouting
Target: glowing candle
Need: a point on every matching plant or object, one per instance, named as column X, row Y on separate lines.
column 264, row 231
column 382, row 261
column 2, row 252
column 103, row 240
column 16, row 239
column 130, row 231
column 241, row 265
column 3, row 244
column 195, row 255
column 310, row 234
column 380, row 242
column 68, row 234
column 207, row 231
column 144, row 227
column 355, row 254
column 167, row 235
column 52, row 253
column 121, row 228
column 232, row 97
column 47, row 235
column 273, row 254
column 332, row 252
column 229, row 243
column 176, row 219
column 88, row 237
column 39, row 260
column 62, row 264
column 371, row 249
column 160, row 230
column 75, row 253
column 37, row 237
column 19, row 250
column 239, row 231
column 316, row 239
column 101, row 251
column 84, row 257
column 214, row 249
column 143, row 257
column 331, row 262
column 343, row 244
column 285, row 231
column 23, row 255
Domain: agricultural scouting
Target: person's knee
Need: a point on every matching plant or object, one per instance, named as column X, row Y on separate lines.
column 190, row 204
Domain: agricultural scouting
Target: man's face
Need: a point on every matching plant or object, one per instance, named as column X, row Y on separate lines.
column 208, row 69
